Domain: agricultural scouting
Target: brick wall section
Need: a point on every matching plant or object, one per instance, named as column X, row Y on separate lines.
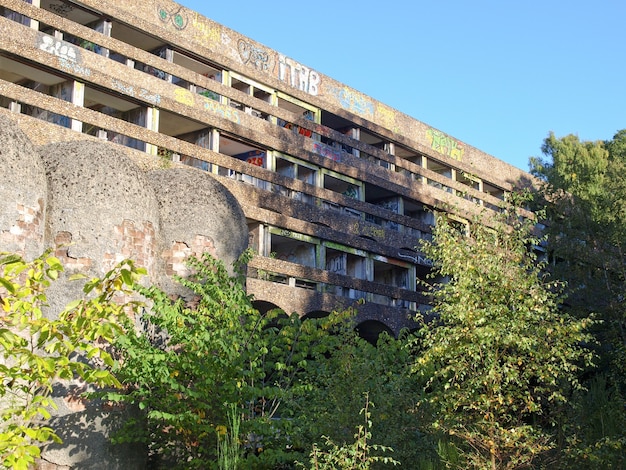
column 176, row 256
column 27, row 228
column 136, row 242
column 62, row 242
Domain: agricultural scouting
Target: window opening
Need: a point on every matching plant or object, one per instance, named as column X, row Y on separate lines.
column 396, row 274
column 251, row 88
column 345, row 263
column 350, row 188
column 298, row 251
column 119, row 108
column 202, row 138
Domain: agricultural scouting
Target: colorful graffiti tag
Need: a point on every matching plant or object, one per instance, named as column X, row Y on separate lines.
column 259, row 58
column 445, row 144
column 353, row 101
column 188, row 98
column 327, row 151
column 174, row 16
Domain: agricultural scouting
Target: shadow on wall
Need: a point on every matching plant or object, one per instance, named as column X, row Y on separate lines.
column 85, row 427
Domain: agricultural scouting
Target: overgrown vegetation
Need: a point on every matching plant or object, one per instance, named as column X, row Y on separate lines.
column 584, row 192
column 500, row 360
column 502, row 375
column 354, row 456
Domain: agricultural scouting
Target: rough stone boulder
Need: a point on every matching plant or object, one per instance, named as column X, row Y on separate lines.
column 94, row 206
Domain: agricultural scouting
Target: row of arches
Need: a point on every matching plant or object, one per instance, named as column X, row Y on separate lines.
column 369, row 330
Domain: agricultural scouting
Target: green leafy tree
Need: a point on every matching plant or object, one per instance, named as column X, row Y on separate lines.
column 584, row 193
column 499, row 358
column 36, row 351
column 358, row 455
column 199, row 356
column 352, row 368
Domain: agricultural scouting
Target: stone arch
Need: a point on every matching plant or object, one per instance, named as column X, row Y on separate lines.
column 370, row 330
column 263, row 306
column 315, row 314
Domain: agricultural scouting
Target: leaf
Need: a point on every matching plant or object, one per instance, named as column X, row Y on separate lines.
column 10, row 258
column 7, row 285
column 127, row 277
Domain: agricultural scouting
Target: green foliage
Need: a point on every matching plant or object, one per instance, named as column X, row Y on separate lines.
column 196, row 358
column 291, row 381
column 597, row 441
column 584, row 193
column 355, row 456
column 228, row 446
column 351, row 369
column 585, row 197
column 500, row 358
column 37, row 350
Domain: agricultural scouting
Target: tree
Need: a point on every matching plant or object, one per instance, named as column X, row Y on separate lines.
column 36, row 351
column 353, row 368
column 500, row 356
column 584, row 193
column 198, row 357
column 358, row 455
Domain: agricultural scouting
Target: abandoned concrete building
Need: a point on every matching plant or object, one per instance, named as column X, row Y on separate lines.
column 336, row 187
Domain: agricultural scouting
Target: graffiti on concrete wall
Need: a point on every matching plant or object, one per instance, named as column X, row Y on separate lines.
column 175, row 16
column 445, row 144
column 188, row 98
column 61, row 9
column 58, row 48
column 387, row 117
column 327, row 151
column 414, row 257
column 131, row 90
column 353, row 101
column 297, row 75
column 225, row 112
column 367, row 230
column 289, row 71
column 336, row 263
column 204, row 33
column 257, row 57
column 69, row 56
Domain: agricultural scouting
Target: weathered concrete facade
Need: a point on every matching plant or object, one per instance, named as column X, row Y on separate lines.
column 336, row 187
column 145, row 130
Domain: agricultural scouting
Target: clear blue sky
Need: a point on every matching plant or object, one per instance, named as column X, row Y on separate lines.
column 496, row 74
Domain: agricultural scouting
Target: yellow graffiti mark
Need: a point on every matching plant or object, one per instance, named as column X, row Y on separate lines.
column 376, row 232
column 204, row 32
column 184, row 96
column 365, row 230
column 386, row 116
column 445, row 144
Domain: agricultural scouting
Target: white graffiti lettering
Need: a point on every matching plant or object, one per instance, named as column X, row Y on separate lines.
column 297, row 75
column 74, row 68
column 58, row 48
